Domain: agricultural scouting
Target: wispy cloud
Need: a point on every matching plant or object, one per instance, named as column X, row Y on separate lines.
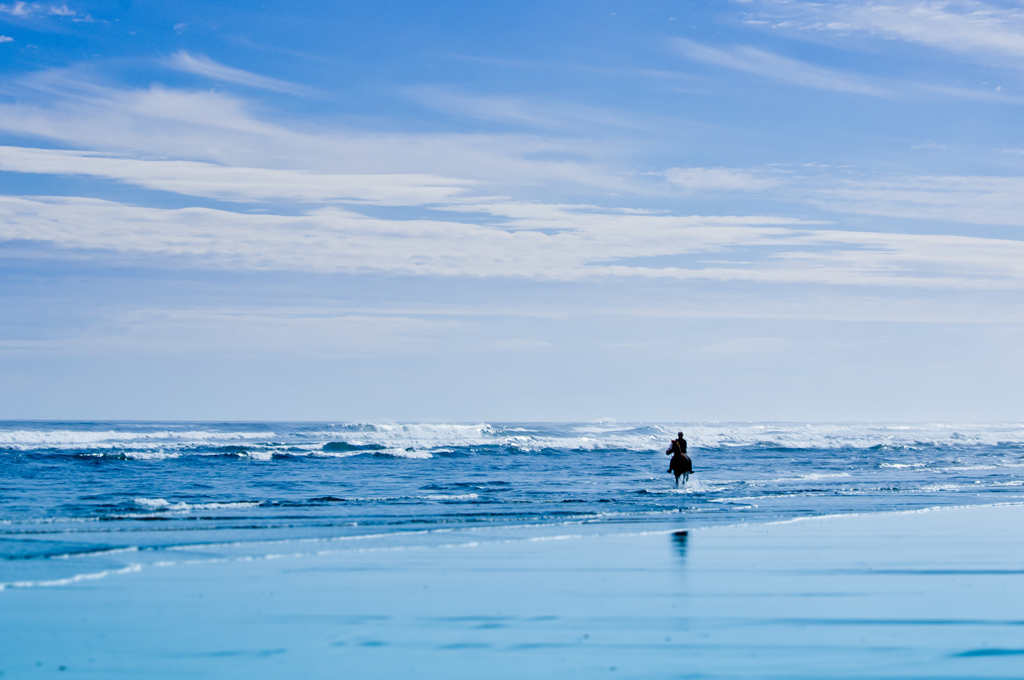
column 520, row 110
column 219, row 149
column 6, row 38
column 20, row 9
column 995, row 95
column 965, row 199
column 758, row 62
column 965, row 26
column 551, row 243
column 718, row 179
column 209, row 180
column 968, row 27
column 783, row 69
column 27, row 10
column 333, row 239
column 223, row 129
column 208, row 68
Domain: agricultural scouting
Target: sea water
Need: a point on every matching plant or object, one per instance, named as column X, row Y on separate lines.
column 88, row 500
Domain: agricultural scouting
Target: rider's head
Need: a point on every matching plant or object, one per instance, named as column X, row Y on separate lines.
column 680, row 435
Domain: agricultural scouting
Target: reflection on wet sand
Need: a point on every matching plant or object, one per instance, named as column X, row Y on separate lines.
column 679, row 539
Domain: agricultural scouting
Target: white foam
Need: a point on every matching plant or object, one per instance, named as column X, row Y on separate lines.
column 435, row 436
column 159, row 454
column 406, row 453
column 452, row 497
column 601, row 429
column 62, row 439
column 964, row 468
column 164, row 505
column 725, row 435
column 413, row 435
column 810, row 477
column 260, row 454
column 336, row 454
column 940, row 487
column 854, row 435
column 71, row 579
column 693, row 485
column 421, row 440
column 94, row 553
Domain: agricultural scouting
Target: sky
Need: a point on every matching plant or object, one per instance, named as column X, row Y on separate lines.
column 632, row 210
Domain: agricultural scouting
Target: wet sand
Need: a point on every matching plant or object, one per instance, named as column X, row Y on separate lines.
column 936, row 594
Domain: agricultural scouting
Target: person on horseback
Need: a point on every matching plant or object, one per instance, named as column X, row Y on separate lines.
column 680, row 465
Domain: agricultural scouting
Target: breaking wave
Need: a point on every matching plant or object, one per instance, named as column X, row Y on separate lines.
column 137, row 441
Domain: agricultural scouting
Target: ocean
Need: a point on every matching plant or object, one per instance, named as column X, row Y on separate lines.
column 86, row 500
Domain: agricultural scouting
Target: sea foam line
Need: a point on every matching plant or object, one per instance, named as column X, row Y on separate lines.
column 131, row 568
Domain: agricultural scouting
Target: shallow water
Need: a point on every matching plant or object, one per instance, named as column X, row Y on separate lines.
column 79, row 499
column 922, row 595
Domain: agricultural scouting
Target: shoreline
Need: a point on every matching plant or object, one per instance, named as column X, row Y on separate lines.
column 908, row 593
column 472, row 535
column 596, row 529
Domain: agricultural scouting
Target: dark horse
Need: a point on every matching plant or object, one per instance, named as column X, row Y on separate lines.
column 680, row 465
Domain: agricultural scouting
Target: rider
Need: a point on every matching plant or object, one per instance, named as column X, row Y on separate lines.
column 680, row 464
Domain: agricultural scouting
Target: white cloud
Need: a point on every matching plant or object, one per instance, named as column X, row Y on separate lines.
column 803, row 74
column 208, row 68
column 967, row 27
column 776, row 67
column 208, row 180
column 25, row 10
column 217, row 127
column 333, row 239
column 521, row 111
column 964, row 26
column 541, row 242
column 967, row 199
column 990, row 200
column 19, row 9
column 233, row 155
column 718, row 179
column 6, row 38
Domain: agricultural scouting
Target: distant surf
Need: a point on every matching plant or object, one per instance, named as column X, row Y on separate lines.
column 149, row 491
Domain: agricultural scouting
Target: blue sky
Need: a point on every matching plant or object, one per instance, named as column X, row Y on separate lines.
column 682, row 211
